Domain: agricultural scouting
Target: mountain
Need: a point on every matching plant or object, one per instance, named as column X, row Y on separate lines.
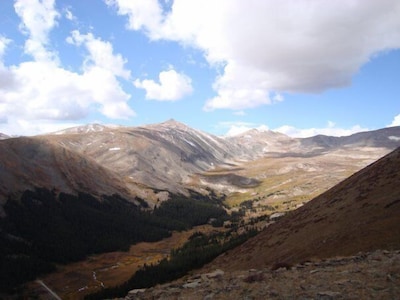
column 29, row 162
column 58, row 204
column 170, row 157
column 162, row 156
column 361, row 213
column 90, row 189
column 258, row 143
column 385, row 138
column 261, row 142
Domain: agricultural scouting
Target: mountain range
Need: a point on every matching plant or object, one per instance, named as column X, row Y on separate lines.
column 75, row 185
column 148, row 160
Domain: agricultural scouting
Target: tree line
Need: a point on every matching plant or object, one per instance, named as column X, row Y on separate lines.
column 43, row 228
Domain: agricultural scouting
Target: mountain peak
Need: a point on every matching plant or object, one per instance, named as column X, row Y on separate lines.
column 171, row 123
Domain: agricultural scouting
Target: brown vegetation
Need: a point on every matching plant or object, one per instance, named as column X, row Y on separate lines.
column 359, row 214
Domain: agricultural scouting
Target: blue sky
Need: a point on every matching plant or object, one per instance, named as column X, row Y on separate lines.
column 298, row 67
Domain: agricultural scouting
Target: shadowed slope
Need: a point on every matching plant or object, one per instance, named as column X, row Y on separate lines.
column 362, row 213
column 26, row 163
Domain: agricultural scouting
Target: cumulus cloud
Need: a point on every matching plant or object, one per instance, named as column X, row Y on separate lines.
column 100, row 54
column 239, row 127
column 330, row 130
column 41, row 90
column 37, row 20
column 172, row 86
column 235, row 128
column 69, row 15
column 396, row 121
column 271, row 46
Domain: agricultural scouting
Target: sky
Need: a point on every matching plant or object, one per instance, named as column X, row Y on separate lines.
column 300, row 67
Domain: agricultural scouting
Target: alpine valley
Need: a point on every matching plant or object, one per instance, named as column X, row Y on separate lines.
column 75, row 197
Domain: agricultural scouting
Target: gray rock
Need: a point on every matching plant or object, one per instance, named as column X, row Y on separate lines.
column 136, row 291
column 192, row 285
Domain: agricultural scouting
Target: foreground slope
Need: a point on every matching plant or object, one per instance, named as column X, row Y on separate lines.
column 361, row 213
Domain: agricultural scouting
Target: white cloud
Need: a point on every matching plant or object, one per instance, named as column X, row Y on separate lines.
column 272, row 46
column 3, row 44
column 37, row 20
column 238, row 89
column 330, row 130
column 238, row 127
column 396, row 121
column 69, row 15
column 16, row 127
column 172, row 86
column 41, row 91
column 146, row 15
column 100, row 54
column 235, row 128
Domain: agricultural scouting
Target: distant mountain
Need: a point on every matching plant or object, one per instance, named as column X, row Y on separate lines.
column 361, row 213
column 261, row 143
column 162, row 157
column 385, row 138
column 258, row 143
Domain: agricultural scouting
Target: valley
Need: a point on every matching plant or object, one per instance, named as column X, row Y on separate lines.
column 285, row 182
column 92, row 191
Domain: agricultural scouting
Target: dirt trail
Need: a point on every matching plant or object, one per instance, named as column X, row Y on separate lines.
column 48, row 289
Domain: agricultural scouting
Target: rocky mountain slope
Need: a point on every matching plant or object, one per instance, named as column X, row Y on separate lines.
column 172, row 157
column 162, row 156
